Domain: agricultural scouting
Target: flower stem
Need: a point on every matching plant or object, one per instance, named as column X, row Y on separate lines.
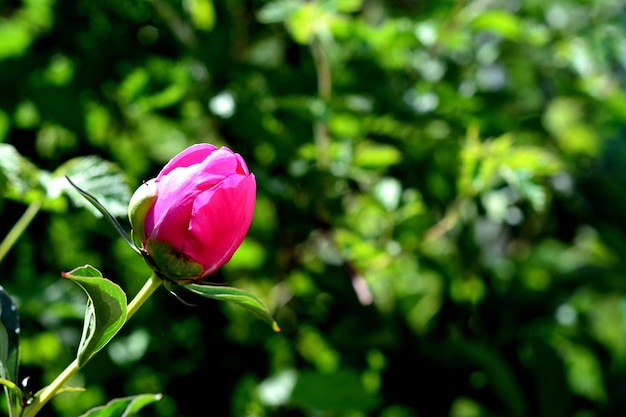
column 47, row 393
column 144, row 293
column 18, row 228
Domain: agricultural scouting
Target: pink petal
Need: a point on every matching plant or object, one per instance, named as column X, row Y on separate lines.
column 223, row 161
column 242, row 168
column 220, row 220
column 169, row 218
column 194, row 154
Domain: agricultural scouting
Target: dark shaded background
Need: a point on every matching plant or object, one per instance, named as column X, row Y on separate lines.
column 440, row 216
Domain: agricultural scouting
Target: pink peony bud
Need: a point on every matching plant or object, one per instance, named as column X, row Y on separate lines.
column 193, row 216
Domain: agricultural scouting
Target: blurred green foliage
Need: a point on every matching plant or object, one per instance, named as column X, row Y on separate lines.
column 440, row 216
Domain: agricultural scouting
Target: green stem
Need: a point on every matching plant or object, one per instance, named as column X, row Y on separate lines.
column 144, row 293
column 19, row 228
column 51, row 390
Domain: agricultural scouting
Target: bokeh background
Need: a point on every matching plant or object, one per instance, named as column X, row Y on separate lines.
column 441, row 205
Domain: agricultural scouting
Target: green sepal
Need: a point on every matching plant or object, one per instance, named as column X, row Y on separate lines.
column 140, row 203
column 171, row 264
column 105, row 314
column 236, row 296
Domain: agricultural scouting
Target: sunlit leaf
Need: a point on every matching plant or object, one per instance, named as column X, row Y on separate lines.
column 123, row 407
column 106, row 310
column 103, row 179
column 501, row 22
column 16, row 38
column 95, row 203
column 584, row 370
column 202, row 13
column 369, row 154
column 19, row 178
column 236, row 296
column 348, row 6
column 306, row 21
column 565, row 119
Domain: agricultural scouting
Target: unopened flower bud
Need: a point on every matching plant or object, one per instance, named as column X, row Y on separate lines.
column 193, row 216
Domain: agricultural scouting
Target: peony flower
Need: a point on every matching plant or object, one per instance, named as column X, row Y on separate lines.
column 193, row 216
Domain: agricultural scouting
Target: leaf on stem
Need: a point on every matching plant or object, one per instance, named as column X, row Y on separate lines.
column 107, row 215
column 9, row 349
column 104, row 180
column 10, row 385
column 23, row 181
column 14, row 395
column 9, row 337
column 236, row 296
column 123, row 407
column 106, row 310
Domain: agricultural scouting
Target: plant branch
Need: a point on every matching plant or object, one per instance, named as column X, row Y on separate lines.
column 18, row 228
column 146, row 291
column 47, row 393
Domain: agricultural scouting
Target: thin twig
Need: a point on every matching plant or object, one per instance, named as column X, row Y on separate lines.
column 18, row 228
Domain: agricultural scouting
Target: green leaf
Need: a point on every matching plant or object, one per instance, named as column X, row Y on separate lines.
column 306, row 21
column 104, row 180
column 369, row 154
column 107, row 215
column 20, row 180
column 10, row 385
column 123, row 407
column 9, row 337
column 501, row 22
column 348, row 6
column 9, row 350
column 14, row 395
column 16, row 38
column 236, row 296
column 106, row 310
column 202, row 13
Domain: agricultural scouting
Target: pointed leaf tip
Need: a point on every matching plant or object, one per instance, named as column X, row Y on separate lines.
column 276, row 328
column 105, row 313
column 236, row 296
column 123, row 407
